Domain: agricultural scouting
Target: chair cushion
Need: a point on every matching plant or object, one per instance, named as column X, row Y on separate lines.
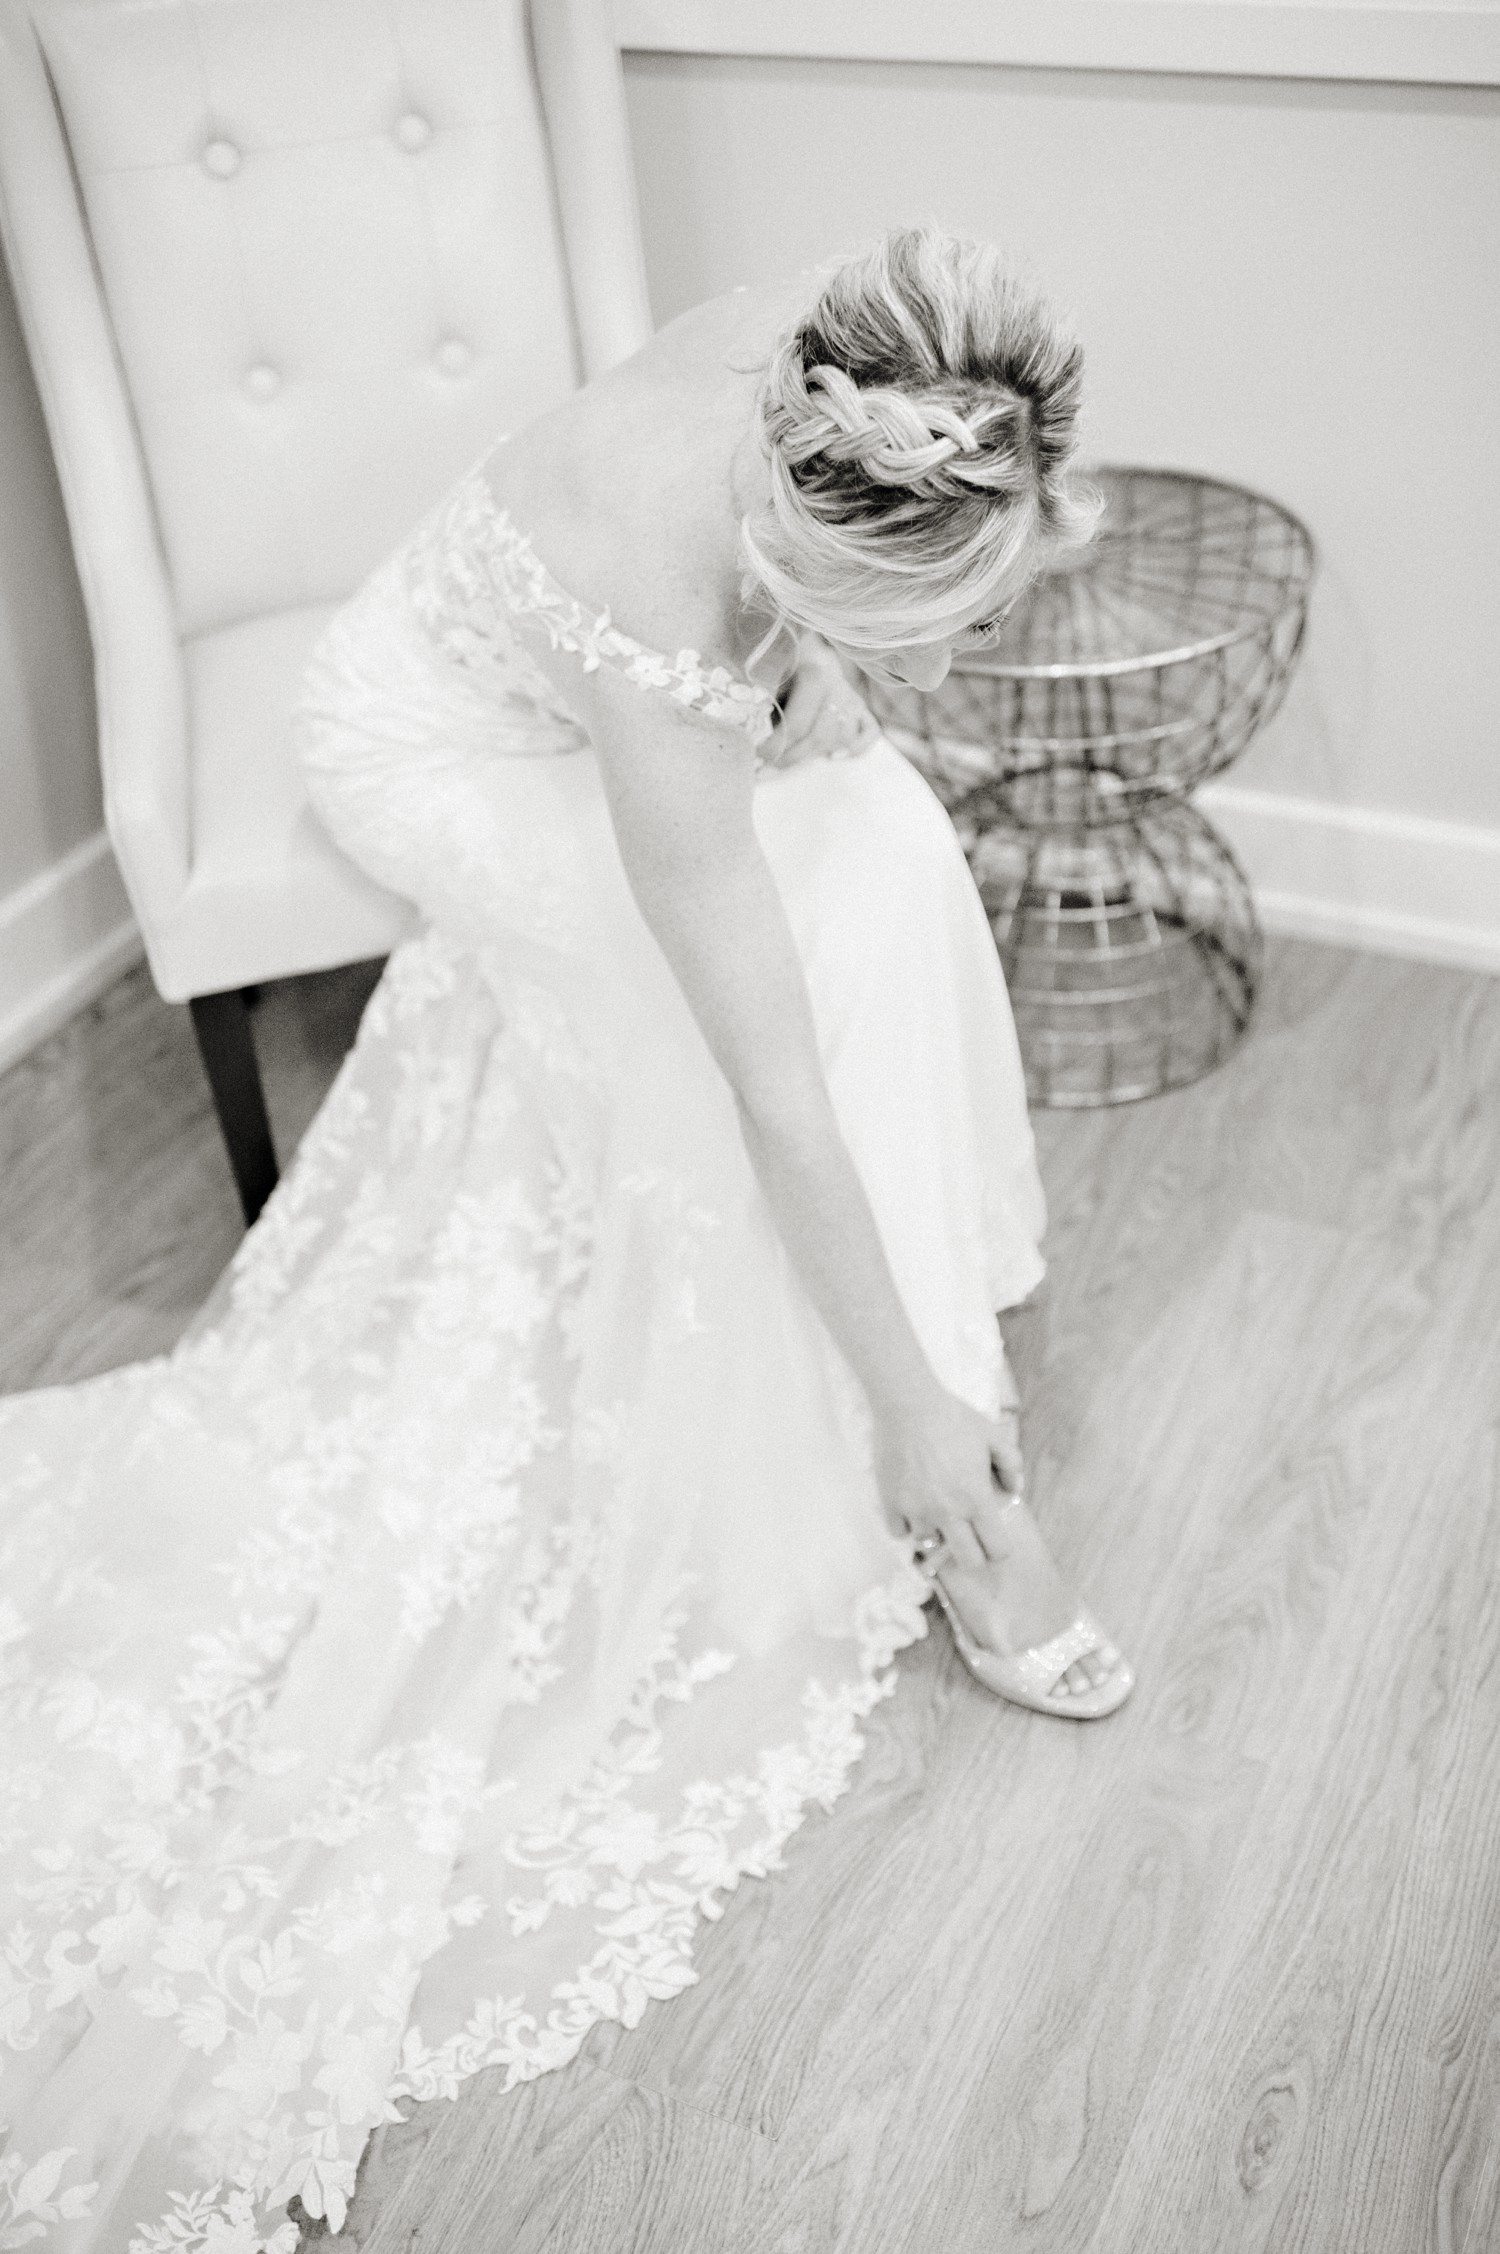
column 269, row 893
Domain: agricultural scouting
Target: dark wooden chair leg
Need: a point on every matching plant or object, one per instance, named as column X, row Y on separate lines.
column 222, row 1024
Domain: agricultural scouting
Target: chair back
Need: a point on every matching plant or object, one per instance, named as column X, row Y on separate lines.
column 327, row 244
column 285, row 269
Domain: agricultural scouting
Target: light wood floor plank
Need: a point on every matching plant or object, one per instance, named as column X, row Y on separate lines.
column 1270, row 1703
column 1310, row 2109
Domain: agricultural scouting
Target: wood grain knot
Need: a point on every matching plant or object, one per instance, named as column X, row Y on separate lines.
column 1270, row 2136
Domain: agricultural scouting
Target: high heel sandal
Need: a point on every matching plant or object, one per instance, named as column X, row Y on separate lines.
column 1026, row 1677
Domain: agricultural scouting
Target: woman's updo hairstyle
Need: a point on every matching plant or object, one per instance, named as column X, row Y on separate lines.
column 918, row 423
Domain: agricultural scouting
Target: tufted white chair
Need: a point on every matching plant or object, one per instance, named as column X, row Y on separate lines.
column 285, row 269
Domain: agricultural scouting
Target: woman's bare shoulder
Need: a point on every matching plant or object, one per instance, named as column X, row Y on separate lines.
column 625, row 488
column 756, row 311
column 623, row 433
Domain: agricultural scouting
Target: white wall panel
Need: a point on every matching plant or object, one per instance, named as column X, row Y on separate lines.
column 1452, row 42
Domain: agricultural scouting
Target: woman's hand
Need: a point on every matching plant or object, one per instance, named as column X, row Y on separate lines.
column 823, row 716
column 937, row 1463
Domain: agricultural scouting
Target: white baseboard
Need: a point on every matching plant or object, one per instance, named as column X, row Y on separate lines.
column 63, row 938
column 1399, row 884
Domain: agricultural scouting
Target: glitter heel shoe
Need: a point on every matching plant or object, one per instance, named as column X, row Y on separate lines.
column 1027, row 1677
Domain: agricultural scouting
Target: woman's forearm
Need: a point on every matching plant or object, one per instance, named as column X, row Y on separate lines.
column 823, row 1215
column 683, row 817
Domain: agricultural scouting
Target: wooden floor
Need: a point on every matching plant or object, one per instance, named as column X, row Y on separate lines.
column 1219, row 1974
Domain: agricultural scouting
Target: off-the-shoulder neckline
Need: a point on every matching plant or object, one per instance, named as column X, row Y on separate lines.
column 696, row 682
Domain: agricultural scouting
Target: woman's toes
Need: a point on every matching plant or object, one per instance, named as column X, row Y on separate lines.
column 1086, row 1674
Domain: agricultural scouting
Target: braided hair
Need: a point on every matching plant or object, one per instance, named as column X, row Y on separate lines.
column 918, row 424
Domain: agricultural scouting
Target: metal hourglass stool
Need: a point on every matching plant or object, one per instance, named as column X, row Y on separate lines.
column 1065, row 754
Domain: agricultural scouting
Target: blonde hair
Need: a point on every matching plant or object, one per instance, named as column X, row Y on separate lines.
column 918, row 424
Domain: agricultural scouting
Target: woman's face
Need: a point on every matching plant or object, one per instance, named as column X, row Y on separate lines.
column 923, row 665
column 914, row 665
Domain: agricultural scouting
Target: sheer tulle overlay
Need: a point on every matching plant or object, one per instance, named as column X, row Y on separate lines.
column 396, row 1673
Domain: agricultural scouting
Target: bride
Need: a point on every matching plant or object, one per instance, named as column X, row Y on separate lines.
column 396, row 1672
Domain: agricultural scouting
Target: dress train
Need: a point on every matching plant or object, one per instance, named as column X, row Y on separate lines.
column 394, row 1674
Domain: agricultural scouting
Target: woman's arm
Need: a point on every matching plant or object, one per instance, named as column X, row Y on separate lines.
column 680, row 796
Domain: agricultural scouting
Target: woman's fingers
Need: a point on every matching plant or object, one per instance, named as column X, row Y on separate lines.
column 941, row 1476
column 1005, row 1451
column 964, row 1546
column 990, row 1526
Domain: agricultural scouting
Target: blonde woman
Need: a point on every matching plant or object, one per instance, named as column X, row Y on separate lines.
column 504, row 1564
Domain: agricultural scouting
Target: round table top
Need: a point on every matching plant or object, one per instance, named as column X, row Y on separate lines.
column 1180, row 567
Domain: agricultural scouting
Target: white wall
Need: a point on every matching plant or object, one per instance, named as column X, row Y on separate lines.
column 1288, row 282
column 65, row 928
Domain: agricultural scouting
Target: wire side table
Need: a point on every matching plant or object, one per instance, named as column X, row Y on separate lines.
column 1065, row 754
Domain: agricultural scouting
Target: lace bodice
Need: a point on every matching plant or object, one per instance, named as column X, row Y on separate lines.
column 472, row 572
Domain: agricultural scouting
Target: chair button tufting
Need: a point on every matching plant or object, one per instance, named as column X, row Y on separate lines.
column 222, row 159
column 413, row 131
column 453, row 356
column 262, row 381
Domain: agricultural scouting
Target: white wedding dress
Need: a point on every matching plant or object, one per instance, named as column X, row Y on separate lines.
column 393, row 1675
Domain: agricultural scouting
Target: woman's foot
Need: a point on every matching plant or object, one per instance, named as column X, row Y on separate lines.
column 1020, row 1601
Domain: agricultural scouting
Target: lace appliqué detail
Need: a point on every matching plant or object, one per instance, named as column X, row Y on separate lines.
column 475, row 570
column 647, row 1883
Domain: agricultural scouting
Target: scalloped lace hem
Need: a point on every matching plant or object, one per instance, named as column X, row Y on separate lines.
column 231, row 2217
